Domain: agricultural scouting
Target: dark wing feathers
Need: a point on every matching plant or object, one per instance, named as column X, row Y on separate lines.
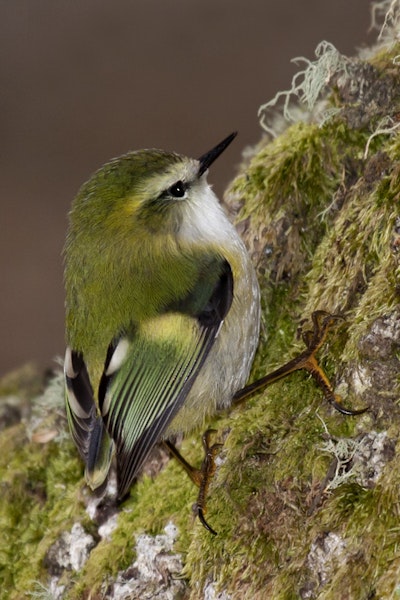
column 86, row 425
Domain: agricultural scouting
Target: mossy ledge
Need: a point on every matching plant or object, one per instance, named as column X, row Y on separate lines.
column 306, row 502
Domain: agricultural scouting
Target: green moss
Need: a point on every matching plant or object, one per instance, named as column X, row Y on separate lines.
column 38, row 490
column 36, row 506
column 354, row 267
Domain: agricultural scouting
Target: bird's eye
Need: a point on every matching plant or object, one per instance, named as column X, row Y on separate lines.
column 177, row 190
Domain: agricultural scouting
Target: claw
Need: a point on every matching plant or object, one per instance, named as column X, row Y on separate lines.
column 335, row 401
column 201, row 477
column 203, row 521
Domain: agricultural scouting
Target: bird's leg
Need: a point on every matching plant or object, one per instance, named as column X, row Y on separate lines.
column 200, row 477
column 322, row 321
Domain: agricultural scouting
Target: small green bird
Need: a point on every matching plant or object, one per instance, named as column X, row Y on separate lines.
column 162, row 309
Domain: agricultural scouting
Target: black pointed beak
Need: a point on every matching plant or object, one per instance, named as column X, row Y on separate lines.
column 208, row 158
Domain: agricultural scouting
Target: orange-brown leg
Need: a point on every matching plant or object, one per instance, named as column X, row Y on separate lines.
column 200, row 477
column 322, row 322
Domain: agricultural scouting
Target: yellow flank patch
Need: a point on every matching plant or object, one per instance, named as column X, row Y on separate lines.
column 169, row 327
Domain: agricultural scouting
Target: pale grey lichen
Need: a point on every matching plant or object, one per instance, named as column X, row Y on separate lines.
column 387, row 11
column 53, row 591
column 155, row 572
column 71, row 550
column 360, row 460
column 69, row 553
column 105, row 530
column 326, row 552
column 386, row 126
column 210, row 593
column 308, row 84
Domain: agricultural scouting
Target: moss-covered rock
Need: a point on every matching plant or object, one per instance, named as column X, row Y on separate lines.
column 305, row 501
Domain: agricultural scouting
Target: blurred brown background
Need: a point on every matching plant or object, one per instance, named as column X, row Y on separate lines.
column 82, row 82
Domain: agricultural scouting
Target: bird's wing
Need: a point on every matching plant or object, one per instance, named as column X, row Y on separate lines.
column 148, row 375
